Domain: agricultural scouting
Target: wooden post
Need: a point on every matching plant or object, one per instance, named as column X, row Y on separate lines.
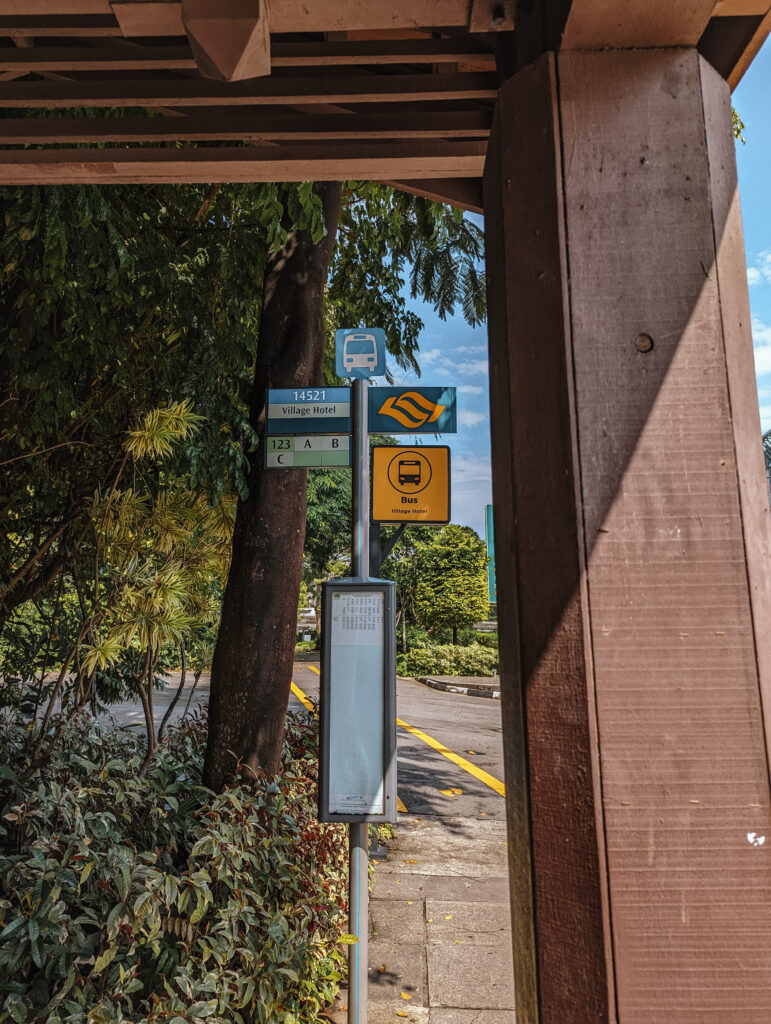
column 632, row 540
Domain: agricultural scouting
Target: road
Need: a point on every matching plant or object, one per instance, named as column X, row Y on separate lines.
column 429, row 782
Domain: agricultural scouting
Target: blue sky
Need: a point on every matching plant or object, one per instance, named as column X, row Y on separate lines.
column 452, row 353
column 751, row 100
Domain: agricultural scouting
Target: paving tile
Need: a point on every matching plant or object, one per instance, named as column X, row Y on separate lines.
column 477, row 924
column 385, row 1013
column 400, row 920
column 477, row 977
column 443, row 1015
column 396, row 967
column 390, row 884
column 468, row 888
column 460, row 847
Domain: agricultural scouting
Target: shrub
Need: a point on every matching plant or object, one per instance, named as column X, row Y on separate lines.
column 467, row 637
column 448, row 660
column 148, row 898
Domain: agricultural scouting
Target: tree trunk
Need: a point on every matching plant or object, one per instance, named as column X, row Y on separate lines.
column 455, row 635
column 252, row 665
column 177, row 695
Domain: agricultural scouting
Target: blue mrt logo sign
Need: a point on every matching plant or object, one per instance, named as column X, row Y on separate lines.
column 415, row 410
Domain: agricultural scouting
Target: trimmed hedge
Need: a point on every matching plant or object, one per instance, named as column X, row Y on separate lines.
column 148, row 898
column 448, row 660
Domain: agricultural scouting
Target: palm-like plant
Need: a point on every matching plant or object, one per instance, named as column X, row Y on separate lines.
column 160, row 554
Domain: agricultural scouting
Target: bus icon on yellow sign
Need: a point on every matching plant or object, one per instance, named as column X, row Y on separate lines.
column 411, row 485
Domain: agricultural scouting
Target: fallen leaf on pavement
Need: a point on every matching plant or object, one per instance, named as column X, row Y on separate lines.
column 382, row 969
column 404, row 995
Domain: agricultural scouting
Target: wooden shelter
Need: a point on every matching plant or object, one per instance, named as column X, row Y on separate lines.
column 632, row 522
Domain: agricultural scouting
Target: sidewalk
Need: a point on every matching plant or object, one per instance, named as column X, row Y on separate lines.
column 440, row 941
column 472, row 686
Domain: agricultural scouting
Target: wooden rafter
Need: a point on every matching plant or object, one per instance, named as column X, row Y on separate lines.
column 251, row 126
column 383, row 161
column 196, row 92
column 284, row 55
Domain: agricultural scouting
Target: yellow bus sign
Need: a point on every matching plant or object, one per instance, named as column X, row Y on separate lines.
column 411, row 485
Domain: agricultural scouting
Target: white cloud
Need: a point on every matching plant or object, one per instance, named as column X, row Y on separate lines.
column 761, row 333
column 467, row 418
column 430, row 355
column 469, row 350
column 761, row 339
column 765, row 418
column 470, row 390
column 472, row 368
column 470, row 469
column 760, row 273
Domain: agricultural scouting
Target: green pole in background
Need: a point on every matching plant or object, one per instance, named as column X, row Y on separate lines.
column 492, row 590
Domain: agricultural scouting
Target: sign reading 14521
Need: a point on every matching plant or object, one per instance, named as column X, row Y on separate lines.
column 308, row 411
column 310, row 395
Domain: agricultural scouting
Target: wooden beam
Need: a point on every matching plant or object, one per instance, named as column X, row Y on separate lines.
column 138, row 18
column 58, row 7
column 248, row 126
column 385, row 161
column 740, row 8
column 601, row 24
column 378, row 51
column 491, row 16
column 465, row 193
column 79, row 26
column 72, row 58
column 726, row 39
column 750, row 51
column 284, row 55
column 192, row 92
column 230, row 39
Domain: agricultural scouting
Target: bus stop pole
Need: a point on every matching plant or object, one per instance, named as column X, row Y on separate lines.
column 358, row 864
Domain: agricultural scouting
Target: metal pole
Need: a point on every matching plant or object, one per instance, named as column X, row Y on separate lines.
column 358, row 921
column 360, row 545
column 358, row 865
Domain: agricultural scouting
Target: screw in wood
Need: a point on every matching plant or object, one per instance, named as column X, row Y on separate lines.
column 643, row 343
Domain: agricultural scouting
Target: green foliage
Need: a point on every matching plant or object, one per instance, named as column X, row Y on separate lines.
column 451, row 590
column 117, row 301
column 448, row 660
column 738, row 126
column 466, row 637
column 145, row 898
column 328, row 520
column 387, row 237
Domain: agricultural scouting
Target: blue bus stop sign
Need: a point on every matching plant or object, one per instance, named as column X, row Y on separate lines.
column 360, row 352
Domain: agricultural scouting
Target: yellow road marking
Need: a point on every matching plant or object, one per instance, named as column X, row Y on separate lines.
column 302, row 697
column 467, row 766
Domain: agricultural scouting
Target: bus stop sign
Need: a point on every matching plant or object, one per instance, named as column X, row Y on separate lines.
column 360, row 352
column 411, row 485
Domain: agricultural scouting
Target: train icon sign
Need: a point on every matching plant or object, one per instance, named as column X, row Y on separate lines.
column 411, row 485
column 360, row 352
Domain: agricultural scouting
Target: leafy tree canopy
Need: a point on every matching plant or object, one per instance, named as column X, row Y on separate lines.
column 451, row 589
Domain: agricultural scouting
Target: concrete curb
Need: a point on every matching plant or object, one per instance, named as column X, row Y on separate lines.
column 469, row 691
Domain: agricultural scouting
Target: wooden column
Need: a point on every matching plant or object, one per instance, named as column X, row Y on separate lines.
column 632, row 540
